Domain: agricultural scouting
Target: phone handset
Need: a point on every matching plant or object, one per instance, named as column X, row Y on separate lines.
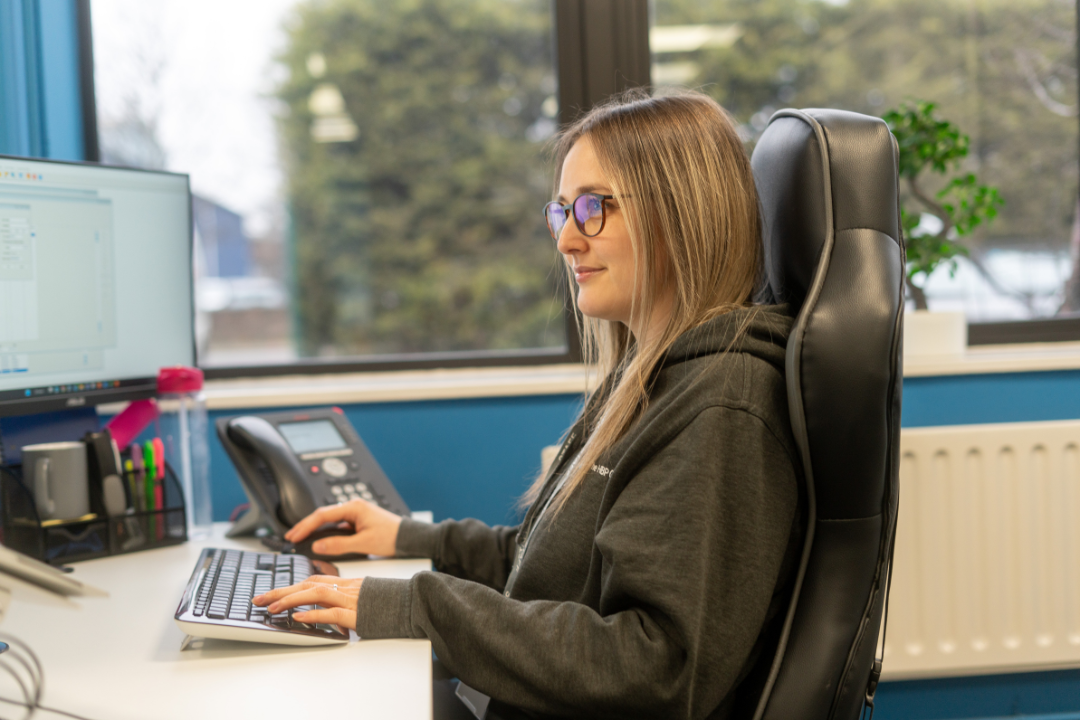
column 285, row 490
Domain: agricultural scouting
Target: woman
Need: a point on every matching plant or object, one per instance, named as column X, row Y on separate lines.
column 651, row 569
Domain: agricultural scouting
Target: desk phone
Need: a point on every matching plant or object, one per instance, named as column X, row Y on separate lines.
column 291, row 463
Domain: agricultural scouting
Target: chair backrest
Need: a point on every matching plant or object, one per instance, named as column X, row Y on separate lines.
column 827, row 181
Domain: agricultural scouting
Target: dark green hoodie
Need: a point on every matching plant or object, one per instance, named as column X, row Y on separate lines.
column 655, row 591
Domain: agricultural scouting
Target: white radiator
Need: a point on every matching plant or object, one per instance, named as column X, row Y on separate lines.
column 987, row 566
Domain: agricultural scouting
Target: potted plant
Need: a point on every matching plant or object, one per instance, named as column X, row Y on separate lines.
column 931, row 146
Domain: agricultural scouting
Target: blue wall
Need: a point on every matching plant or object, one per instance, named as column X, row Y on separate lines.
column 473, row 458
column 1006, row 397
column 457, row 458
column 1051, row 695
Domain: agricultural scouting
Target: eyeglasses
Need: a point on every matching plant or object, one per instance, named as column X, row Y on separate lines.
column 589, row 214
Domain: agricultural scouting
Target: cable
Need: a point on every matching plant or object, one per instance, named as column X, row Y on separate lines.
column 43, row 708
column 20, row 703
column 34, row 673
column 31, row 681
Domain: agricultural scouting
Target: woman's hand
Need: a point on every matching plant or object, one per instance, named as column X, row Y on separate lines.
column 375, row 529
column 336, row 598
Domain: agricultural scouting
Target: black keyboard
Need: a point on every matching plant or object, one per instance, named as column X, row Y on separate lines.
column 217, row 600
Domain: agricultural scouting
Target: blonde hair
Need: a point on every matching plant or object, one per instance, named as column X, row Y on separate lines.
column 694, row 228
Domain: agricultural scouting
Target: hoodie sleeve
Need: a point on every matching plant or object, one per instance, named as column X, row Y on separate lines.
column 691, row 552
column 466, row 549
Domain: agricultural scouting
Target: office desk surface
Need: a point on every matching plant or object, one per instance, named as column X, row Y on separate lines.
column 120, row 657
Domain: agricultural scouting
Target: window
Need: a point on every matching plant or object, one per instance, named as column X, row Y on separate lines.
column 1005, row 73
column 368, row 175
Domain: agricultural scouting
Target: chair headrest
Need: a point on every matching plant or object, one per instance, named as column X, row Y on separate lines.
column 819, row 172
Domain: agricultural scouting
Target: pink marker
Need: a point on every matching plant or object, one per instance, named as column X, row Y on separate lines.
column 159, row 458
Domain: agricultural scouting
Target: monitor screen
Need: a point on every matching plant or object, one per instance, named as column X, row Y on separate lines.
column 95, row 282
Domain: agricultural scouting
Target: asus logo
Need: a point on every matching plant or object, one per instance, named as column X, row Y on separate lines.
column 76, row 402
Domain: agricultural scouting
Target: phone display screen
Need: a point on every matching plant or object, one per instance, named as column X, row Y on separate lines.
column 311, row 436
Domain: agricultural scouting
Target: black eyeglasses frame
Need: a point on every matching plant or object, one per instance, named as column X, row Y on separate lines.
column 567, row 212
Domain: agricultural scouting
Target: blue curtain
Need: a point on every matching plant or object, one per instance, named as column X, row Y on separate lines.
column 40, row 101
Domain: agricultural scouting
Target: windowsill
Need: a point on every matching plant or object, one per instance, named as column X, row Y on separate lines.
column 985, row 359
column 566, row 379
column 407, row 385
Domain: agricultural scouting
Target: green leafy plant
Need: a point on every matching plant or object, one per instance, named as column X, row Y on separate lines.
column 929, row 144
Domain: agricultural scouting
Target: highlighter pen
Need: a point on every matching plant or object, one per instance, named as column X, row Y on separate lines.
column 151, row 473
column 129, row 476
column 138, row 478
column 159, row 457
column 151, row 477
column 159, row 483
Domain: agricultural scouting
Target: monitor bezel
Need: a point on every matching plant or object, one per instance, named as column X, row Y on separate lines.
column 129, row 388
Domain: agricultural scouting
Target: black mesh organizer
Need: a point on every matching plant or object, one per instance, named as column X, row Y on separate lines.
column 88, row 537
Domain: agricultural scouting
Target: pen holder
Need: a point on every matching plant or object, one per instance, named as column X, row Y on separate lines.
column 93, row 535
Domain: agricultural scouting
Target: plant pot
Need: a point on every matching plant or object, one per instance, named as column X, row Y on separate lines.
column 930, row 333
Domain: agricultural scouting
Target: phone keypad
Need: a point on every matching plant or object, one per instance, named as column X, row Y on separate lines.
column 354, row 490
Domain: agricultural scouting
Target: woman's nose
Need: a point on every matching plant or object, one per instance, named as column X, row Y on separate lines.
column 570, row 239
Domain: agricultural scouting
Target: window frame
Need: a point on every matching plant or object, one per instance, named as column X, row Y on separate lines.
column 601, row 47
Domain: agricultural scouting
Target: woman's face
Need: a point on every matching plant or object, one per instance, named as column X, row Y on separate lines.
column 603, row 265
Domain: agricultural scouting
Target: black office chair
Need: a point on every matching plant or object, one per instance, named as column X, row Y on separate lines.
column 827, row 180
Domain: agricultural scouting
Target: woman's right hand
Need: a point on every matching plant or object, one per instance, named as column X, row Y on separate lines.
column 375, row 529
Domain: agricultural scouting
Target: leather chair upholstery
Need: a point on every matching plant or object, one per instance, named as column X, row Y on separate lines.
column 827, row 182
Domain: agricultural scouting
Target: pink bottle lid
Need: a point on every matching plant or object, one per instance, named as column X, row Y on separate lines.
column 179, row 379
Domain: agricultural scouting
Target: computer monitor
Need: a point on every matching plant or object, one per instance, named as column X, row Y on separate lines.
column 95, row 283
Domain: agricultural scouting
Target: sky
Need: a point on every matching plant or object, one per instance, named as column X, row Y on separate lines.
column 204, row 69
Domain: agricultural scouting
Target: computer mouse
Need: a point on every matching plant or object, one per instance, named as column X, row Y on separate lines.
column 304, row 546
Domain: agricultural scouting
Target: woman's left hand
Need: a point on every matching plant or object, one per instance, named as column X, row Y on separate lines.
column 336, row 598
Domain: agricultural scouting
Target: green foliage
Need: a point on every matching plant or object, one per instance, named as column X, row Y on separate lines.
column 924, row 140
column 927, row 143
column 968, row 203
column 424, row 233
column 926, row 251
column 870, row 55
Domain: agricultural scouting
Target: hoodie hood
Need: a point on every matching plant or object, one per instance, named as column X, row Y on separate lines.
column 760, row 331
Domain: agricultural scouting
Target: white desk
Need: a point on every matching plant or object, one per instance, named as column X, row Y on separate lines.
column 119, row 657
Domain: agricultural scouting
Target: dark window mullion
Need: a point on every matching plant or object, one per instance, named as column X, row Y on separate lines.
column 84, row 31
column 601, row 48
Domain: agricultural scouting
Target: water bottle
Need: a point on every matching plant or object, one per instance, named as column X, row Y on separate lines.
column 183, row 427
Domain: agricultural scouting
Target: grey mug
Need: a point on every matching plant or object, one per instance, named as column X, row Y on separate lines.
column 56, row 474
